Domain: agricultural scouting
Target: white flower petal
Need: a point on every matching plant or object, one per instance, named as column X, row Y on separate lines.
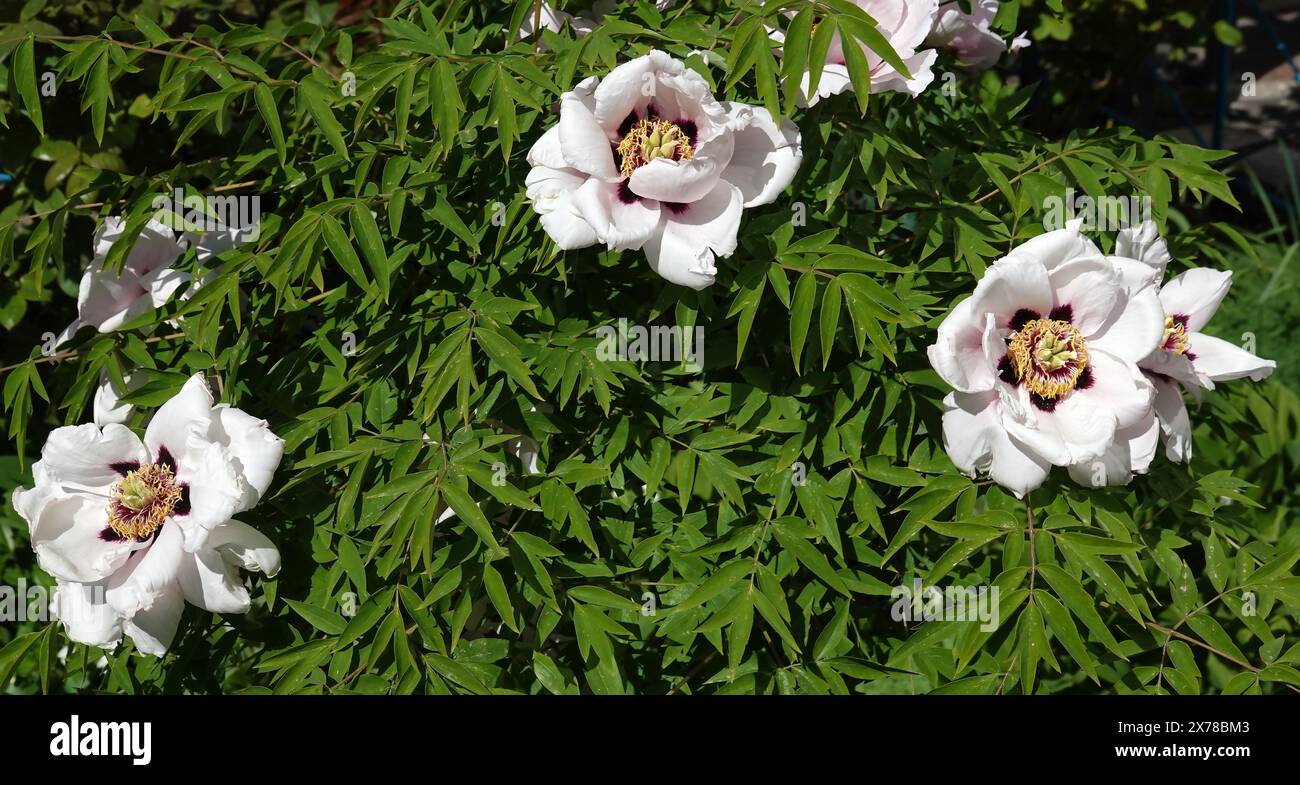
column 631, row 86
column 210, row 583
column 1010, row 285
column 1090, row 287
column 1144, row 244
column 243, row 546
column 584, row 144
column 215, row 489
column 683, row 250
column 1223, row 361
column 977, row 442
column 1131, row 454
column 621, row 225
column 152, row 629
column 255, row 450
column 546, row 150
column 1117, row 386
column 1135, row 329
column 148, row 574
column 1054, row 248
column 69, row 538
column 766, row 155
column 551, row 193
column 1196, row 294
column 85, row 456
column 1175, row 423
column 86, row 616
column 108, row 407
column 834, row 80
column 186, row 413
column 680, row 181
column 958, row 354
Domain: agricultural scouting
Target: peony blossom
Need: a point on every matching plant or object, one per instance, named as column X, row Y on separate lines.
column 553, row 19
column 132, row 529
column 1186, row 357
column 107, row 300
column 647, row 159
column 905, row 23
column 1043, row 359
column 971, row 36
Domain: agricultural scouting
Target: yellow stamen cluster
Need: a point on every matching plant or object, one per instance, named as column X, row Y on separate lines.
column 652, row 138
column 1048, row 355
column 1175, row 336
column 140, row 502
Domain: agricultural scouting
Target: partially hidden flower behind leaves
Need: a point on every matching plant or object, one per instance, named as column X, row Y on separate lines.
column 648, row 159
column 108, row 299
column 905, row 25
column 971, row 36
column 133, row 529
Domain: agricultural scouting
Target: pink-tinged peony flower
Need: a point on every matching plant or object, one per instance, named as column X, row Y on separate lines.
column 1043, row 357
column 648, row 159
column 971, row 36
column 107, row 299
column 905, row 23
column 132, row 529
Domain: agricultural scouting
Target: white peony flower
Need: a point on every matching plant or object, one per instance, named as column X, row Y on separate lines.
column 905, row 23
column 553, row 19
column 648, row 159
column 971, row 36
column 132, row 529
column 1187, row 358
column 1043, row 357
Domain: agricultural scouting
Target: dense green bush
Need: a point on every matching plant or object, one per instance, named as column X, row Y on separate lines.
column 402, row 319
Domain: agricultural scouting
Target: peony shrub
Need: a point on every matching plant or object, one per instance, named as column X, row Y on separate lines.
column 617, row 348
